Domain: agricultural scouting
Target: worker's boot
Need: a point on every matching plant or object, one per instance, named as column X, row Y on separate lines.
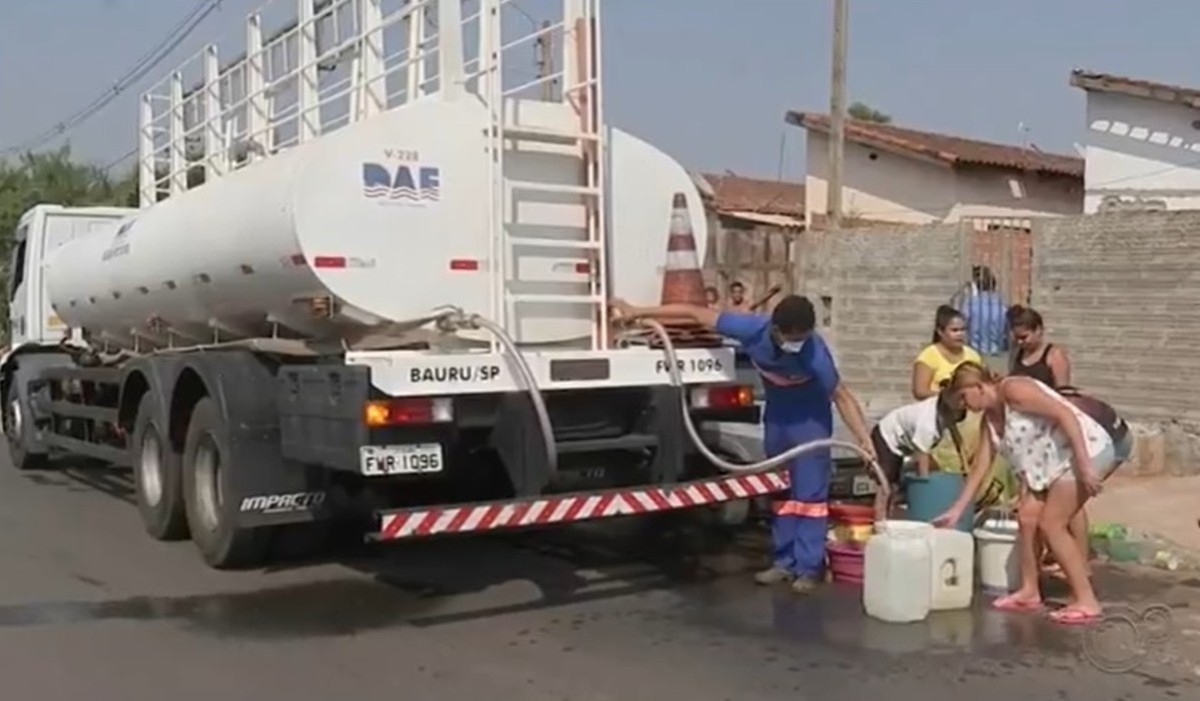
column 773, row 575
column 805, row 585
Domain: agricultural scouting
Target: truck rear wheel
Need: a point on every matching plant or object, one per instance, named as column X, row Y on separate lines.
column 211, row 516
column 157, row 475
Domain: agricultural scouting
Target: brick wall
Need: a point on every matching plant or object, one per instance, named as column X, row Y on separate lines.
column 1121, row 292
column 877, row 292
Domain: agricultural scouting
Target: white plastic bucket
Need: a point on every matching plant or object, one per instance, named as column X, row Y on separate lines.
column 999, row 563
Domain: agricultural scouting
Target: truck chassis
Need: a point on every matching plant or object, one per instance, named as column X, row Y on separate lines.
column 230, row 447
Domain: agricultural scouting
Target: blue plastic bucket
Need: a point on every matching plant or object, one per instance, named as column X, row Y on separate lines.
column 930, row 497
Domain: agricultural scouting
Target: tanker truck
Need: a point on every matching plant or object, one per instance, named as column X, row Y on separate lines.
column 368, row 283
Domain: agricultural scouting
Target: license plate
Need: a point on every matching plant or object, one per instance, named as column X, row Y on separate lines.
column 583, row 370
column 422, row 458
column 862, row 486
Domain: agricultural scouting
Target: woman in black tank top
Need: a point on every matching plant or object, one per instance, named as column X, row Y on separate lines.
column 1035, row 357
column 1039, row 369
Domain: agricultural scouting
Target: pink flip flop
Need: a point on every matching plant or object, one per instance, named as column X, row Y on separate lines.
column 1011, row 603
column 1073, row 617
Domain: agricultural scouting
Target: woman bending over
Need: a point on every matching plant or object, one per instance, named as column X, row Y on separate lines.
column 1060, row 454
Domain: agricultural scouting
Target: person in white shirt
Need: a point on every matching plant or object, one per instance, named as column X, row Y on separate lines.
column 913, row 430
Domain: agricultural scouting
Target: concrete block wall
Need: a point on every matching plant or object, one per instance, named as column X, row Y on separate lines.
column 877, row 292
column 1122, row 292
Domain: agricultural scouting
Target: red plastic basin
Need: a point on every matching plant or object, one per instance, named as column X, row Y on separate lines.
column 845, row 561
column 851, row 514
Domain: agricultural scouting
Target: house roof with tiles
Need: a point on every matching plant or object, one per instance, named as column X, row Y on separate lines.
column 1135, row 87
column 735, row 193
column 955, row 151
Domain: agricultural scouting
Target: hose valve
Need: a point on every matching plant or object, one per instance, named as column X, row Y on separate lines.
column 449, row 319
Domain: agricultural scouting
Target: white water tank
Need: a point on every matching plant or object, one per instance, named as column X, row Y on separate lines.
column 247, row 253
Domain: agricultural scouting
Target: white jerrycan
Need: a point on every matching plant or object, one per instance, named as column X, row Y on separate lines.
column 896, row 567
column 952, row 555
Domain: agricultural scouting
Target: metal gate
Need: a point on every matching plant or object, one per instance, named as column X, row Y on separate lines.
column 995, row 274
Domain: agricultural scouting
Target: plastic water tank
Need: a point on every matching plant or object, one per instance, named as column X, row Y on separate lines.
column 248, row 253
column 952, row 581
column 896, row 572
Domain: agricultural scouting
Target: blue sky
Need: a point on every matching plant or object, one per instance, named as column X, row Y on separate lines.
column 706, row 80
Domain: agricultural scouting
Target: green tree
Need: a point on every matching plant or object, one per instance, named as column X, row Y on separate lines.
column 53, row 177
column 866, row 113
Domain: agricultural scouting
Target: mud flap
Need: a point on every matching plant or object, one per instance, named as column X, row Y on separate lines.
column 265, row 489
column 271, row 491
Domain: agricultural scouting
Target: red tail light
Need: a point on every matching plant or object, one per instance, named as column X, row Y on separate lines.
column 398, row 412
column 722, row 397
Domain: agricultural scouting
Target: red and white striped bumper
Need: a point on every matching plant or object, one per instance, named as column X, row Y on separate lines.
column 569, row 508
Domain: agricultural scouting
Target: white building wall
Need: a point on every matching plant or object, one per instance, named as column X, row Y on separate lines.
column 1140, row 149
column 879, row 184
column 890, row 187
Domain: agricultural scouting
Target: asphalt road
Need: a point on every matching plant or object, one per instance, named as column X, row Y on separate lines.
column 92, row 608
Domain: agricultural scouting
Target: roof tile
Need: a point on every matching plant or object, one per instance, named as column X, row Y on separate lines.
column 953, row 150
column 1108, row 82
column 736, row 193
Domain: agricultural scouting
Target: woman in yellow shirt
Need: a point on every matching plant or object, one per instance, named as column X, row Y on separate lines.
column 936, row 362
column 934, row 365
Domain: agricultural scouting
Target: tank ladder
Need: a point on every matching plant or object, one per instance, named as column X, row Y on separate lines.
column 579, row 76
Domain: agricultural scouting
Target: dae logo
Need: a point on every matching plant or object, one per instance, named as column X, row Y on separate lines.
column 120, row 242
column 406, row 183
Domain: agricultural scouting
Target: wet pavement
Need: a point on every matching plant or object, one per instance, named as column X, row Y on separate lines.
column 90, row 606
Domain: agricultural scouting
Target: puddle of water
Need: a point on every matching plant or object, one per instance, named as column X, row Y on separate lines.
column 330, row 608
column 830, row 631
column 837, row 618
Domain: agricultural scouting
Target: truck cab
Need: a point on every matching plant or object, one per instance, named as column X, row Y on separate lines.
column 40, row 231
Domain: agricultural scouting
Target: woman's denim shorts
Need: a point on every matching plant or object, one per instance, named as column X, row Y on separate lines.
column 1111, row 457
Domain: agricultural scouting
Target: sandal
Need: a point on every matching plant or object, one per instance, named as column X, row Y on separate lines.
column 1073, row 617
column 1012, row 603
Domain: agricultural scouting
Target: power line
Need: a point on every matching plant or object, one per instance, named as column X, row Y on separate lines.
column 144, row 65
column 118, row 161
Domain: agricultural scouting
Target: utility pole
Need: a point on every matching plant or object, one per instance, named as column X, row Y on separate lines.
column 545, row 62
column 837, row 113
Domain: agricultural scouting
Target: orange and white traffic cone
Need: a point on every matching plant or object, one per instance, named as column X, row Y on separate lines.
column 683, row 283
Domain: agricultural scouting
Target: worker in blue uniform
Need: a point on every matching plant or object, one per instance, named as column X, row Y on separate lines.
column 802, row 385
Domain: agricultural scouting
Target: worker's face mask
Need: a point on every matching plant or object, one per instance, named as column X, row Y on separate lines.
column 789, row 345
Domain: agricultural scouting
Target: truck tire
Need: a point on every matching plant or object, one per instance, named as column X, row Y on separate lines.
column 18, row 426
column 157, row 475
column 211, row 518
